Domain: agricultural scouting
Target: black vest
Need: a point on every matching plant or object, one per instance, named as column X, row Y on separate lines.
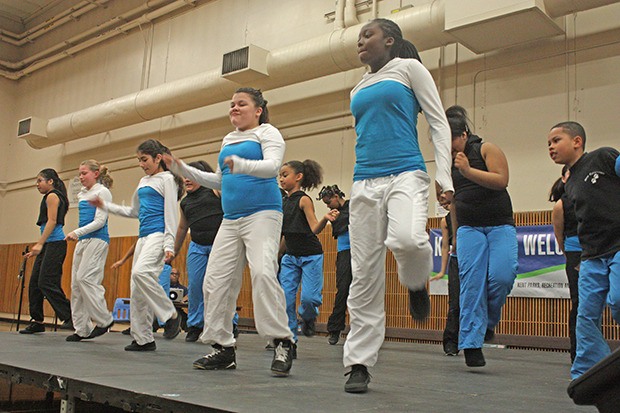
column 299, row 238
column 341, row 224
column 477, row 206
column 63, row 207
column 203, row 212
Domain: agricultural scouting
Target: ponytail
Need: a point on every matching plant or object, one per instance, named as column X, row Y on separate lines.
column 105, row 178
column 57, row 183
column 311, row 170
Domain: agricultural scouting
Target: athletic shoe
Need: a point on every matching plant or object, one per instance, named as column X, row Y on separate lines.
column 172, row 328
column 419, row 304
column 67, row 325
column 32, row 328
column 134, row 346
column 358, row 379
column 308, row 328
column 126, row 332
column 270, row 346
column 334, row 336
column 75, row 337
column 221, row 358
column 282, row 357
column 99, row 331
column 193, row 334
column 474, row 357
column 489, row 335
column 451, row 349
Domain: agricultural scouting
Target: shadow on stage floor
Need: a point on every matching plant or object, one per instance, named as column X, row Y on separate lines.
column 408, row 377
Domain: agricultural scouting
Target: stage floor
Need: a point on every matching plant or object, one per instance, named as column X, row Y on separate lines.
column 408, row 377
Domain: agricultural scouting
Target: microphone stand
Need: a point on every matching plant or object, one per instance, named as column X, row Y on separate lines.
column 21, row 278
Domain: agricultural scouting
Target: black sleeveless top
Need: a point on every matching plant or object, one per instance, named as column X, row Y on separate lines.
column 477, row 206
column 341, row 224
column 63, row 207
column 450, row 230
column 203, row 212
column 299, row 238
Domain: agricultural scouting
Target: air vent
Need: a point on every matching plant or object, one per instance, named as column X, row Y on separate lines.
column 33, row 130
column 245, row 65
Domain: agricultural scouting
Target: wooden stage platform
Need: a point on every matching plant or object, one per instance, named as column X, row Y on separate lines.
column 408, row 377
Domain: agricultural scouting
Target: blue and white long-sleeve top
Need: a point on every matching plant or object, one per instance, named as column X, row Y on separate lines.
column 155, row 205
column 385, row 105
column 252, row 186
column 93, row 221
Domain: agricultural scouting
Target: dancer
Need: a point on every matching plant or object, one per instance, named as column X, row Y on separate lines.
column 593, row 185
column 248, row 164
column 50, row 252
column 450, row 262
column 87, row 293
column 154, row 204
column 565, row 230
column 338, row 216
column 302, row 263
column 486, row 237
column 389, row 197
column 201, row 213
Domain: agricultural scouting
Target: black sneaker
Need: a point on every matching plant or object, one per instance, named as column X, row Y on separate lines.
column 99, row 331
column 193, row 334
column 221, row 358
column 126, row 332
column 270, row 346
column 172, row 328
column 134, row 346
column 358, row 379
column 308, row 328
column 451, row 349
column 75, row 337
column 489, row 335
column 32, row 328
column 294, row 351
column 474, row 357
column 282, row 357
column 334, row 336
column 419, row 304
column 66, row 325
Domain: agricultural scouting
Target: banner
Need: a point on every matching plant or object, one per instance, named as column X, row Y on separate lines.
column 541, row 264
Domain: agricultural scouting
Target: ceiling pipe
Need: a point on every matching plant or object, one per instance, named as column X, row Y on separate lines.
column 330, row 53
column 350, row 13
column 67, row 16
column 339, row 15
column 113, row 26
column 559, row 8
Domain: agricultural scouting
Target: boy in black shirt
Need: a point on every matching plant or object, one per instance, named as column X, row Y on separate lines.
column 594, row 187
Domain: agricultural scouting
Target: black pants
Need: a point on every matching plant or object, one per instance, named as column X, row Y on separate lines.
column 344, row 275
column 573, row 258
column 45, row 282
column 451, row 332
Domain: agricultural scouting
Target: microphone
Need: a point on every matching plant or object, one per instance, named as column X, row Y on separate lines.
column 22, row 268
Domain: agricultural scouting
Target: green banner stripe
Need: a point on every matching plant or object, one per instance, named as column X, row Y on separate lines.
column 527, row 274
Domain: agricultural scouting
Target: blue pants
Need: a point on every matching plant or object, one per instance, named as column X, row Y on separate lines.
column 307, row 271
column 197, row 259
column 488, row 262
column 599, row 281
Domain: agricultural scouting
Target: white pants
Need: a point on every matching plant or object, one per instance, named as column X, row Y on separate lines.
column 87, row 294
column 254, row 240
column 384, row 212
column 147, row 296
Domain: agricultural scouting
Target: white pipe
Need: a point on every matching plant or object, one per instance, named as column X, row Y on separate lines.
column 350, row 13
column 339, row 15
column 330, row 53
column 43, row 58
column 375, row 10
column 558, row 8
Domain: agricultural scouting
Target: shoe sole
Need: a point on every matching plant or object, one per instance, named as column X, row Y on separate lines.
column 356, row 388
column 277, row 373
column 231, row 366
column 177, row 330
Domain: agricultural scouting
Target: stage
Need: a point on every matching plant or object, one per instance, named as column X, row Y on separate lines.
column 409, row 377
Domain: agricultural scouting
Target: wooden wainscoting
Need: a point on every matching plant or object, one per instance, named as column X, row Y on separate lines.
column 526, row 322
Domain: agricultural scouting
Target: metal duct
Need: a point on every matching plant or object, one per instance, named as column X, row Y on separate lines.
column 321, row 56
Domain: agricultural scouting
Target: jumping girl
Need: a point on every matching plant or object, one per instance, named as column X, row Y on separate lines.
column 87, row 293
column 50, row 251
column 303, row 261
column 155, row 204
column 248, row 164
